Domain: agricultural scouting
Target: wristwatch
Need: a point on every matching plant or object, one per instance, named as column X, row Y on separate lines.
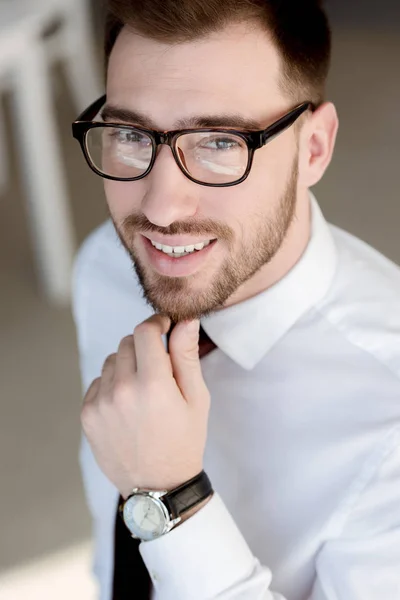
column 149, row 514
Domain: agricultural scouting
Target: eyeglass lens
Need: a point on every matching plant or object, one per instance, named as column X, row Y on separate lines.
column 208, row 157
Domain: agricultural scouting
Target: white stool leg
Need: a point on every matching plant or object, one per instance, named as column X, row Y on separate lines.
column 77, row 41
column 48, row 205
column 3, row 155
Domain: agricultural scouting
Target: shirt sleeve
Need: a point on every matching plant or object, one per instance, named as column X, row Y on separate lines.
column 363, row 562
column 208, row 558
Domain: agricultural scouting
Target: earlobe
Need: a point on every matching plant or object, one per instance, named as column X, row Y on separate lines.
column 317, row 144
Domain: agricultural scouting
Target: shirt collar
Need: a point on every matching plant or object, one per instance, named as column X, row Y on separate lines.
column 247, row 331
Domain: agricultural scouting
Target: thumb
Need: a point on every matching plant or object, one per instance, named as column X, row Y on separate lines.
column 184, row 355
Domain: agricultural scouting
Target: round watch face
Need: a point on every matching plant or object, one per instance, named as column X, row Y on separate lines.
column 144, row 516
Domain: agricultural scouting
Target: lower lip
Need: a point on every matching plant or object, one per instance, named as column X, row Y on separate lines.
column 177, row 267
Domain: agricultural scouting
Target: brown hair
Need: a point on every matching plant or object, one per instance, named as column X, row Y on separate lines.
column 299, row 29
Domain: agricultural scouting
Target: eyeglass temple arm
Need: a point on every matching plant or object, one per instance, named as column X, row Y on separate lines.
column 90, row 113
column 284, row 123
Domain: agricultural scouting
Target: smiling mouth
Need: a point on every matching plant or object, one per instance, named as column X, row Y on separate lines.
column 180, row 251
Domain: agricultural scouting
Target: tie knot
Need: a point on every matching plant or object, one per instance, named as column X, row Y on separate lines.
column 206, row 345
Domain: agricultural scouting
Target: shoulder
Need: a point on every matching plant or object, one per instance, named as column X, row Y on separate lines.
column 103, row 270
column 107, row 299
column 364, row 300
column 100, row 254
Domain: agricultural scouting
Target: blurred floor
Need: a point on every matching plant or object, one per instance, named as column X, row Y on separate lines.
column 66, row 571
column 42, row 506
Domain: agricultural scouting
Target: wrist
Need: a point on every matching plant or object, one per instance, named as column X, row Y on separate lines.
column 163, row 511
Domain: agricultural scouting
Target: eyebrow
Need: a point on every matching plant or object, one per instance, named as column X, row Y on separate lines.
column 132, row 117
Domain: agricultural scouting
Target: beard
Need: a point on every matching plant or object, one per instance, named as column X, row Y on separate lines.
column 177, row 297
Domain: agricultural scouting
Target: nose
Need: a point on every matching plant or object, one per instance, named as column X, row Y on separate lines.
column 170, row 196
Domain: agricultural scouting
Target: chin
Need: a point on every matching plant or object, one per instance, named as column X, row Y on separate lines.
column 191, row 297
column 179, row 306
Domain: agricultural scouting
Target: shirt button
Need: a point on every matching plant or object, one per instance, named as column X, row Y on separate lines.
column 154, row 576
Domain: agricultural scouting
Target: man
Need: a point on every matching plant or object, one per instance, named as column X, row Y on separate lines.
column 294, row 415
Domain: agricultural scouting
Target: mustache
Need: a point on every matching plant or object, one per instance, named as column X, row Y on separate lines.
column 208, row 227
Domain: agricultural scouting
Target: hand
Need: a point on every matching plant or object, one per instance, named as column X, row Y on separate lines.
column 146, row 417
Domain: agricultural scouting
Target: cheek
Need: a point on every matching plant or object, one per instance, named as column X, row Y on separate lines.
column 123, row 197
column 234, row 208
column 270, row 168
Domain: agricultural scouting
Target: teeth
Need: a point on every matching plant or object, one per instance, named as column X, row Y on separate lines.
column 180, row 250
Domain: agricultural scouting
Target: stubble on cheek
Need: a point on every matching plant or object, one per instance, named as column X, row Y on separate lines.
column 240, row 257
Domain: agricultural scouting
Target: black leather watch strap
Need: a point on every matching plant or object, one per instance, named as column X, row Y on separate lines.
column 188, row 495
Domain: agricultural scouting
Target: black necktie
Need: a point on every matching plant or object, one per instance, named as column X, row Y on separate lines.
column 131, row 578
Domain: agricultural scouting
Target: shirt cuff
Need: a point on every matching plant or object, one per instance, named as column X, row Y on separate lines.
column 200, row 558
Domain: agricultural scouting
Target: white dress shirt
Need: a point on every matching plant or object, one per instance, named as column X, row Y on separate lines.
column 303, row 447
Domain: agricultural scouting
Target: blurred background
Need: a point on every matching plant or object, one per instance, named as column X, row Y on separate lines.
column 45, row 527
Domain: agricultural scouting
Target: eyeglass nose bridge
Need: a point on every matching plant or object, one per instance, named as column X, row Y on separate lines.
column 164, row 138
column 168, row 139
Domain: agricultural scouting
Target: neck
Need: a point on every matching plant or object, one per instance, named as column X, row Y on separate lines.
column 295, row 243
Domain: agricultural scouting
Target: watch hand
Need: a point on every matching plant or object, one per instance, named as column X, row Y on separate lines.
column 144, row 518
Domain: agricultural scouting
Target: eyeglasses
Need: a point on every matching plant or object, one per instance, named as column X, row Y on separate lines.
column 211, row 157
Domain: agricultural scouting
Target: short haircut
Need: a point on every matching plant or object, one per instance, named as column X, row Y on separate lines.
column 299, row 29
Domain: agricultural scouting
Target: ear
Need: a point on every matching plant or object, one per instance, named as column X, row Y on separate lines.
column 317, row 142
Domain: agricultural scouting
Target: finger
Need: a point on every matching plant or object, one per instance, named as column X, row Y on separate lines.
column 125, row 366
column 184, row 353
column 151, row 355
column 92, row 391
column 107, row 374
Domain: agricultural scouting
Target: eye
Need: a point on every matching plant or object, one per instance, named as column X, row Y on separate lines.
column 221, row 143
column 130, row 136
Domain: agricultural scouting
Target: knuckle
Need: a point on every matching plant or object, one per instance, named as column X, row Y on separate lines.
column 110, row 360
column 122, row 391
column 87, row 413
column 152, row 324
column 126, row 341
column 143, row 327
column 92, row 390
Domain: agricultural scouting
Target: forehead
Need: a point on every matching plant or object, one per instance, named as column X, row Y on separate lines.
column 234, row 70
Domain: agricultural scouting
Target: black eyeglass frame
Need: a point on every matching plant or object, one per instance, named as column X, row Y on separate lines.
column 253, row 139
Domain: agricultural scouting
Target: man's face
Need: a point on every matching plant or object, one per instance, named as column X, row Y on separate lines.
column 232, row 73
